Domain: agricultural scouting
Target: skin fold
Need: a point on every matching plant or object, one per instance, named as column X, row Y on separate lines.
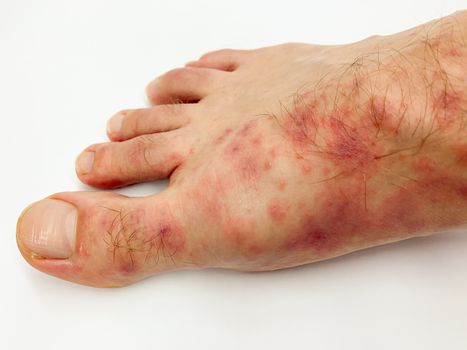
column 277, row 157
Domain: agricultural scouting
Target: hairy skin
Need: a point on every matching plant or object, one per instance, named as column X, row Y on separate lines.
column 297, row 153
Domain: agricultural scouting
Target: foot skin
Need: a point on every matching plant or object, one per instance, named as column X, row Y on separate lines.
column 276, row 157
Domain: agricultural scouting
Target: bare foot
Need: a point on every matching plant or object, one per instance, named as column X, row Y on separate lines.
column 277, row 157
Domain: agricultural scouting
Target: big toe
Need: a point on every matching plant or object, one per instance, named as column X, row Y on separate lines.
column 104, row 239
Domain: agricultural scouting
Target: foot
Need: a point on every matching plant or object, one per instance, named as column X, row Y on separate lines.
column 276, row 157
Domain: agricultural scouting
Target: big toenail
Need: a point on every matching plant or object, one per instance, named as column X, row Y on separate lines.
column 48, row 228
column 85, row 163
column 115, row 124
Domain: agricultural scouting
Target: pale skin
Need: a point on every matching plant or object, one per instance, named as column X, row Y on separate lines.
column 277, row 157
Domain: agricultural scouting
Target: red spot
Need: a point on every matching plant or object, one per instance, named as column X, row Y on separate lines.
column 240, row 233
column 446, row 106
column 401, row 212
column 316, row 239
column 247, row 168
column 454, row 52
column 382, row 116
column 164, row 231
column 235, row 148
column 246, row 244
column 209, row 193
column 176, row 157
column 281, row 184
column 302, row 124
column 336, row 222
column 167, row 238
column 236, row 236
column 255, row 249
column 339, row 217
column 277, row 212
column 256, row 141
column 347, row 147
column 299, row 157
column 306, row 168
column 127, row 268
column 424, row 165
column 243, row 157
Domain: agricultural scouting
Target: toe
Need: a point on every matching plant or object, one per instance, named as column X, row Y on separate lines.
column 136, row 122
column 226, row 59
column 104, row 239
column 143, row 158
column 185, row 85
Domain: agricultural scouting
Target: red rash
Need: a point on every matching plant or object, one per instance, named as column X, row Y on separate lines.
column 379, row 186
column 454, row 52
column 276, row 211
column 240, row 234
column 344, row 216
column 176, row 157
column 348, row 146
column 338, row 219
column 132, row 244
column 447, row 107
column 242, row 153
column 377, row 196
column 267, row 166
column 211, row 201
column 170, row 238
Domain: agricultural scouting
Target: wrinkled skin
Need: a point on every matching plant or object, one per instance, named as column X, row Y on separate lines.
column 279, row 157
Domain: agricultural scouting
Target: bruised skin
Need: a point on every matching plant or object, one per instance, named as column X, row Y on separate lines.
column 279, row 157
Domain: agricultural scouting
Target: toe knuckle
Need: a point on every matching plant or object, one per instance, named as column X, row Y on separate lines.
column 131, row 121
column 102, row 161
column 141, row 153
column 136, row 124
column 174, row 74
column 217, row 53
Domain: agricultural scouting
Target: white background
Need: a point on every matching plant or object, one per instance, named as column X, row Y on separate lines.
column 66, row 66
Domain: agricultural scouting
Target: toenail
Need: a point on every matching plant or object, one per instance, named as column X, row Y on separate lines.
column 48, row 228
column 85, row 163
column 115, row 124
